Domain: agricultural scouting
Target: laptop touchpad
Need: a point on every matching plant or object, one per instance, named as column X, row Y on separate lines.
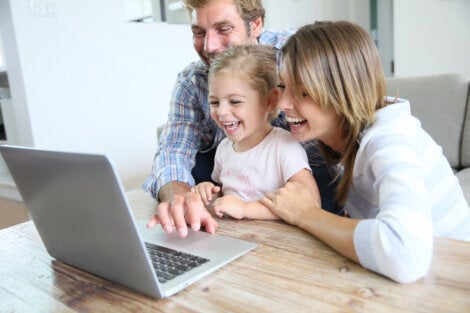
column 158, row 236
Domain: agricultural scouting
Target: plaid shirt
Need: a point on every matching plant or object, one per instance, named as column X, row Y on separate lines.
column 190, row 128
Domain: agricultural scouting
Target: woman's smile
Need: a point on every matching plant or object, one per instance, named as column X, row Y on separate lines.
column 295, row 121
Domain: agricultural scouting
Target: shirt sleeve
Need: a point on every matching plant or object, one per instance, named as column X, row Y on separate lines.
column 398, row 241
column 293, row 157
column 180, row 139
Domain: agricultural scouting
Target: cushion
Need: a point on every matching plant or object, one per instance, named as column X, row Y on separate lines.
column 464, row 179
column 439, row 102
column 465, row 157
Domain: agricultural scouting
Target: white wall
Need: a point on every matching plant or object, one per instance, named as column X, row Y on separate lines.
column 432, row 37
column 295, row 13
column 92, row 82
column 86, row 80
column 291, row 13
column 429, row 36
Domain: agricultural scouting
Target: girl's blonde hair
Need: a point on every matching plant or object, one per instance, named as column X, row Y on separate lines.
column 338, row 65
column 254, row 64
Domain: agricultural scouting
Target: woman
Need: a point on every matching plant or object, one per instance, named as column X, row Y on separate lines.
column 396, row 184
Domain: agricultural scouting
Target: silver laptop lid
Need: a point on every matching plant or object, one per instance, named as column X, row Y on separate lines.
column 67, row 192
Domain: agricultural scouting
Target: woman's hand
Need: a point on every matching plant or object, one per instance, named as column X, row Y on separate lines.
column 299, row 206
column 293, row 202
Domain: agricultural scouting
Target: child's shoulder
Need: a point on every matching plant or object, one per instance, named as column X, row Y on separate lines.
column 281, row 132
column 284, row 137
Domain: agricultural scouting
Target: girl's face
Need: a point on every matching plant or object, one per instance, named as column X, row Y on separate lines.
column 238, row 110
column 307, row 120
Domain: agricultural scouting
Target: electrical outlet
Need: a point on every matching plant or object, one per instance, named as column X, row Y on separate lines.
column 43, row 8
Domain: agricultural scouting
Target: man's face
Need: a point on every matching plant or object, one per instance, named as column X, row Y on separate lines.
column 217, row 26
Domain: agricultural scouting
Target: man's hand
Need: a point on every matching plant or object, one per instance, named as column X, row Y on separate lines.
column 182, row 209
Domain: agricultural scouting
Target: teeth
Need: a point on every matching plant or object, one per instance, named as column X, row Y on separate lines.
column 231, row 125
column 294, row 119
column 228, row 124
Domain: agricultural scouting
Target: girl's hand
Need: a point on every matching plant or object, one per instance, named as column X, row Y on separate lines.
column 206, row 190
column 230, row 205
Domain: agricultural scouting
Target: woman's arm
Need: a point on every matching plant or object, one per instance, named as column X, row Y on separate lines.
column 299, row 205
column 334, row 230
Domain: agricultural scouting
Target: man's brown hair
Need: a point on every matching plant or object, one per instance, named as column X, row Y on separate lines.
column 249, row 10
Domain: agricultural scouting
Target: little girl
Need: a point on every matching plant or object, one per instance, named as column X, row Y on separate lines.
column 256, row 157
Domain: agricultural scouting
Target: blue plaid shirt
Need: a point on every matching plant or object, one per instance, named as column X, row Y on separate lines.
column 190, row 128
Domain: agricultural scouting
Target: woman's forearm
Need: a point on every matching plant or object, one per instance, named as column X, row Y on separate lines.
column 336, row 231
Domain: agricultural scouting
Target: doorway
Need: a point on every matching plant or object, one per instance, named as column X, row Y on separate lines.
column 381, row 29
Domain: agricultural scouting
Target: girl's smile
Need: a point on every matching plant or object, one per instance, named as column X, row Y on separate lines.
column 237, row 109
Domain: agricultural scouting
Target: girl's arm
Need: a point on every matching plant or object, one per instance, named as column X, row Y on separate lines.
column 237, row 208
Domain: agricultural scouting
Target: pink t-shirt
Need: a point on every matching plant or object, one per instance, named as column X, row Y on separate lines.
column 265, row 167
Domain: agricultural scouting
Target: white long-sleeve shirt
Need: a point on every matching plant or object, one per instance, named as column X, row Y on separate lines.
column 406, row 193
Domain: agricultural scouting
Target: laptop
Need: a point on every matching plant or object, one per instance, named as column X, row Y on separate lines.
column 80, row 210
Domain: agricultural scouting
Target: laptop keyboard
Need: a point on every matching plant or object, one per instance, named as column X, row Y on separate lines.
column 169, row 263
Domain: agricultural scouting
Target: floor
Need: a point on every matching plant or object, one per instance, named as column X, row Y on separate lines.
column 12, row 213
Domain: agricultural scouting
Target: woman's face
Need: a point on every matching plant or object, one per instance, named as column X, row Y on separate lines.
column 307, row 120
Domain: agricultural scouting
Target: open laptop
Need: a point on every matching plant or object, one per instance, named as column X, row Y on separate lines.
column 79, row 208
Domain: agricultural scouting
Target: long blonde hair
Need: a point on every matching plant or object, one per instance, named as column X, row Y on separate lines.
column 338, row 65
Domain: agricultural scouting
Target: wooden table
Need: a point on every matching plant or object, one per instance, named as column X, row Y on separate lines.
column 289, row 271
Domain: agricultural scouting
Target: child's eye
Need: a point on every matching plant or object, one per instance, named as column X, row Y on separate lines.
column 281, row 86
column 235, row 101
column 214, row 103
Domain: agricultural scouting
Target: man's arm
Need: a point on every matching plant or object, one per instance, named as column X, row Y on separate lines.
column 168, row 190
column 180, row 140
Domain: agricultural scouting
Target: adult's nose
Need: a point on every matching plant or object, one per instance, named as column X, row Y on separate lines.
column 285, row 102
column 211, row 42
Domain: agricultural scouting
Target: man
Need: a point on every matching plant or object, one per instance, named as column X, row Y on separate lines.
column 190, row 138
